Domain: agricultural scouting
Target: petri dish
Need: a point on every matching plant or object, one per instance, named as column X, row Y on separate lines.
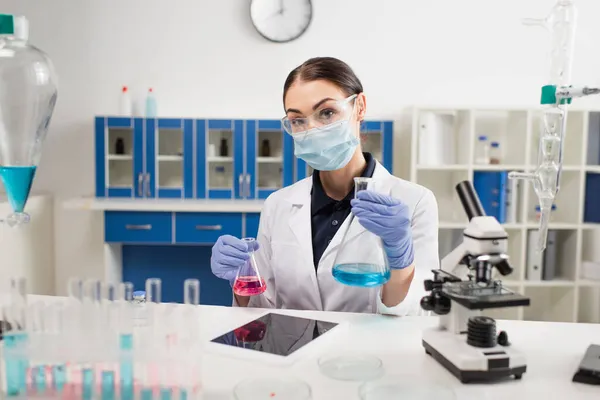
column 402, row 387
column 272, row 389
column 351, row 367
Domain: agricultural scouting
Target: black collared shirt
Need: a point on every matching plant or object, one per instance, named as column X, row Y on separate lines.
column 327, row 214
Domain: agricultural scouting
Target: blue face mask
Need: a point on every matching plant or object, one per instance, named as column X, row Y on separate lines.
column 327, row 149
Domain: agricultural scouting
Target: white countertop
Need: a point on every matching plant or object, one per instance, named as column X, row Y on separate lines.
column 169, row 205
column 553, row 352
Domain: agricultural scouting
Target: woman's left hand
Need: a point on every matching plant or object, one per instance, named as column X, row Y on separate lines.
column 389, row 219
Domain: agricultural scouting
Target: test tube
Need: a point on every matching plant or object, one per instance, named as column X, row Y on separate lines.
column 92, row 335
column 18, row 290
column 15, row 383
column 75, row 289
column 191, row 290
column 54, row 315
column 153, row 290
column 36, row 349
column 126, row 371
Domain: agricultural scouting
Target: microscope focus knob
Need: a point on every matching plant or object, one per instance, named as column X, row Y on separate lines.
column 428, row 285
column 427, row 303
column 442, row 305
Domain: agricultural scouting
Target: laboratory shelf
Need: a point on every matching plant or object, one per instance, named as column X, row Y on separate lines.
column 445, row 150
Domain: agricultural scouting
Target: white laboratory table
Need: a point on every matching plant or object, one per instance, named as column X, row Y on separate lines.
column 553, row 351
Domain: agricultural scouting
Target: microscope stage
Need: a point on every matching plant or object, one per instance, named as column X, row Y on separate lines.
column 469, row 363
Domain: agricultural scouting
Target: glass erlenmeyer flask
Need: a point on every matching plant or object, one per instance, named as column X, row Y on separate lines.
column 28, row 90
column 361, row 259
column 248, row 281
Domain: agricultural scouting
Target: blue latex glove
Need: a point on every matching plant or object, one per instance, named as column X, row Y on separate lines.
column 389, row 219
column 228, row 255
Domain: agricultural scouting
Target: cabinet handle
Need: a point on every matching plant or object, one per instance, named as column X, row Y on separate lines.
column 140, row 181
column 241, row 185
column 147, row 179
column 247, row 185
column 208, row 227
column 138, row 227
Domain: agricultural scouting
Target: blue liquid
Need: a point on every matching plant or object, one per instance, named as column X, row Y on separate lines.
column 183, row 394
column 362, row 275
column 165, row 394
column 88, row 384
column 39, row 376
column 17, row 182
column 15, row 363
column 59, row 377
column 108, row 385
column 126, row 366
column 146, row 394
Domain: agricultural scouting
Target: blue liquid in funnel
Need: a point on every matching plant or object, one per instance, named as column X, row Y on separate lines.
column 17, row 182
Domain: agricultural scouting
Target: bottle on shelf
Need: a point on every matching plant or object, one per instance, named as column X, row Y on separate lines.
column 495, row 154
column 151, row 107
column 482, row 150
column 119, row 146
column 223, row 148
column 265, row 149
column 125, row 103
column 212, row 150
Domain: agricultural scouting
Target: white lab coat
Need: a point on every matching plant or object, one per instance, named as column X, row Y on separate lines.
column 285, row 257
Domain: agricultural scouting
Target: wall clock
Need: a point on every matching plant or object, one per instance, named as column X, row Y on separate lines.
column 281, row 21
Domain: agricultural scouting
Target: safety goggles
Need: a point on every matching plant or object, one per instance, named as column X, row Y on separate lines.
column 327, row 113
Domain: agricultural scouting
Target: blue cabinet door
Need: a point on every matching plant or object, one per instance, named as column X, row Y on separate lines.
column 119, row 156
column 170, row 158
column 219, row 159
column 269, row 158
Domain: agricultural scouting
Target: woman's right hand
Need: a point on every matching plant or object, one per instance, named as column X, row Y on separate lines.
column 228, row 256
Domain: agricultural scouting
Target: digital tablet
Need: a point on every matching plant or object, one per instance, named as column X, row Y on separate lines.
column 275, row 337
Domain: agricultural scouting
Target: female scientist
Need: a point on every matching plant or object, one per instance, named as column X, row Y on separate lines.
column 298, row 232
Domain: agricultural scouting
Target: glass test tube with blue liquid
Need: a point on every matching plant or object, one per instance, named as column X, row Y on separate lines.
column 361, row 259
column 15, row 340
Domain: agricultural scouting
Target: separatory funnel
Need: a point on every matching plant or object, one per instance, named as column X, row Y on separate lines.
column 365, row 268
column 248, row 281
column 28, row 91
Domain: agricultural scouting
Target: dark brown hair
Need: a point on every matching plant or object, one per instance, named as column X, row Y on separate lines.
column 328, row 69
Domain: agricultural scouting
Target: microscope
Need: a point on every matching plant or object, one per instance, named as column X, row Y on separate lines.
column 466, row 342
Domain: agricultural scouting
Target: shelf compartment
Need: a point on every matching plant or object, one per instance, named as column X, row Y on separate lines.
column 567, row 202
column 269, row 176
column 508, row 128
column 551, row 304
column 125, row 137
column 573, row 145
column 441, row 137
column 170, row 142
column 442, row 184
column 593, row 142
column 560, row 256
column 269, row 145
column 589, row 305
column 120, row 173
column 220, row 144
column 590, row 254
column 591, row 211
column 170, row 175
column 220, row 175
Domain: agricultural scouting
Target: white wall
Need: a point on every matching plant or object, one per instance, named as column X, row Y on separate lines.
column 205, row 60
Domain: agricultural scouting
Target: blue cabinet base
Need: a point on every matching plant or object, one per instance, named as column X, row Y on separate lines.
column 173, row 265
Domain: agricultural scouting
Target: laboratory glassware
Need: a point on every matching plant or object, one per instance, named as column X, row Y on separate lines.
column 272, row 388
column 482, row 150
column 349, row 367
column 495, row 153
column 28, row 92
column 561, row 23
column 361, row 259
column 249, row 281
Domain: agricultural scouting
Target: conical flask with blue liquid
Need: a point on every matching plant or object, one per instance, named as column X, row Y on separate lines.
column 361, row 259
column 28, row 91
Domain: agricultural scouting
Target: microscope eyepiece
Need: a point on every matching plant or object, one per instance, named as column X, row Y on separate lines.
column 504, row 268
column 469, row 200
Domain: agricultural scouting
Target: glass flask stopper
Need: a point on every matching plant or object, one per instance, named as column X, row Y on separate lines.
column 249, row 281
column 361, row 259
column 28, row 91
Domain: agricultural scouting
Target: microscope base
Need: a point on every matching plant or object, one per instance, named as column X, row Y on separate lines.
column 473, row 364
column 589, row 369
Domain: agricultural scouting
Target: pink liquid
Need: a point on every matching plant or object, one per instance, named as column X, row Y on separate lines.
column 249, row 286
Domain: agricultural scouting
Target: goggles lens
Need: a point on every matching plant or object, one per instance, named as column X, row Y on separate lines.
column 328, row 113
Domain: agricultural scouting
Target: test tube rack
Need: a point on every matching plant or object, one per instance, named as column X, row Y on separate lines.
column 101, row 344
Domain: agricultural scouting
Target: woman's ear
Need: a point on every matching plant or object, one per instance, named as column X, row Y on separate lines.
column 361, row 106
